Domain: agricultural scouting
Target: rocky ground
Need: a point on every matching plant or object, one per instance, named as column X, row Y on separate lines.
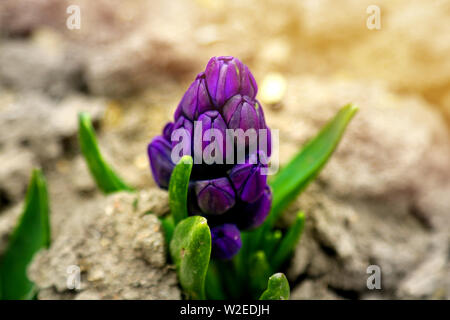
column 383, row 199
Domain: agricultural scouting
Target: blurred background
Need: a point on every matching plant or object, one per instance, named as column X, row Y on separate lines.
column 384, row 199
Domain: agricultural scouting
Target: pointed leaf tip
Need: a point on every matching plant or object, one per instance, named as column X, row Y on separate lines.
column 307, row 164
column 277, row 288
column 31, row 234
column 106, row 178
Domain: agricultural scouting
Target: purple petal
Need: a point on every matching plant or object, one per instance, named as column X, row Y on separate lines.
column 226, row 241
column 196, row 99
column 215, row 196
column 212, row 72
column 248, row 83
column 248, row 180
column 159, row 151
column 229, row 109
column 257, row 212
column 167, row 131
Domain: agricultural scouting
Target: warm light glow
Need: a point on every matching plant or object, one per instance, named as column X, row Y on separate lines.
column 273, row 88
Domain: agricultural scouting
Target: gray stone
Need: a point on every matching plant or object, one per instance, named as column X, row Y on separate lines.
column 119, row 249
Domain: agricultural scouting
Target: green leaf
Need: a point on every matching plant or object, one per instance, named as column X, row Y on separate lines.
column 105, row 177
column 30, row 235
column 260, row 270
column 213, row 284
column 277, row 288
column 304, row 167
column 168, row 227
column 178, row 189
column 233, row 285
column 289, row 242
column 271, row 242
column 190, row 249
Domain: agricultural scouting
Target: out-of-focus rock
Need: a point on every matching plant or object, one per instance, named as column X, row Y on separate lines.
column 15, row 171
column 369, row 205
column 119, row 249
column 8, row 220
column 18, row 18
column 158, row 50
column 431, row 279
column 34, row 131
column 117, row 52
column 311, row 289
column 44, row 65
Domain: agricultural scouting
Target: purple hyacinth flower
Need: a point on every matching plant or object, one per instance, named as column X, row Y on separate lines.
column 215, row 196
column 211, row 120
column 247, row 178
column 195, row 101
column 232, row 196
column 225, row 241
column 226, row 77
column 159, row 151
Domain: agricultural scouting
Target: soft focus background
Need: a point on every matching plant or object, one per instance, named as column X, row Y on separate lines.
column 384, row 198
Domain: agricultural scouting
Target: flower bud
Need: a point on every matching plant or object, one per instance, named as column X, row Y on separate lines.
column 258, row 211
column 215, row 196
column 225, row 241
column 247, row 178
column 195, row 101
column 226, row 77
column 159, row 152
column 242, row 112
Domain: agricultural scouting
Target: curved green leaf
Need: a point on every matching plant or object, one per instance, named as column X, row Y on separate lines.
column 304, row 167
column 106, row 178
column 288, row 242
column 277, row 288
column 178, row 189
column 30, row 235
column 190, row 250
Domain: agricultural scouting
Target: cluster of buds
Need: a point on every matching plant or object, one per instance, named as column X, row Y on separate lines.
column 221, row 125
